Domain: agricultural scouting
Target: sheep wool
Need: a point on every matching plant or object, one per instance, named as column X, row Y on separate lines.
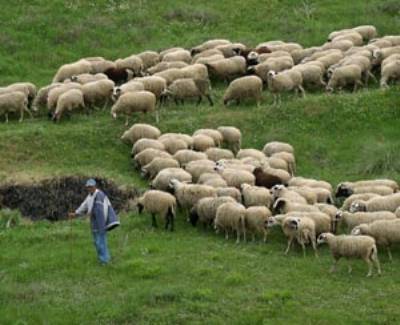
column 139, row 131
column 231, row 217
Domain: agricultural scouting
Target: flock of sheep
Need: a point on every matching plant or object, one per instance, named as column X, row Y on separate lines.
column 245, row 192
column 136, row 83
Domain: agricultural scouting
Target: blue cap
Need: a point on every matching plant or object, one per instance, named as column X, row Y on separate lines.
column 90, row 182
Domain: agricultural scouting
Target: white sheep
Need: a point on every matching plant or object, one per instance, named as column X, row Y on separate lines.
column 280, row 191
column 56, row 92
column 230, row 191
column 163, row 178
column 156, row 165
column 302, row 181
column 70, row 100
column 87, row 77
column 287, row 80
column 231, row 217
column 186, row 156
column 380, row 203
column 274, row 147
column 162, row 66
column 352, row 247
column 133, row 63
column 354, row 219
column 227, row 69
column 178, row 55
column 139, row 131
column 349, row 188
column 256, row 221
column 145, row 143
column 235, row 177
column 41, row 98
column 283, row 206
column 187, row 88
column 173, row 144
column 390, row 72
column 68, row 70
column 130, row 86
column 249, row 87
column 98, row 92
column 170, row 75
column 216, row 154
column 14, row 102
column 149, row 58
column 345, row 76
column 356, row 197
column 256, row 196
column 154, row 84
column 146, row 156
column 202, row 142
column 214, row 134
column 198, row 167
column 232, row 137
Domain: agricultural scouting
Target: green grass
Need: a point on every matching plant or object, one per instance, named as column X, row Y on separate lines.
column 48, row 273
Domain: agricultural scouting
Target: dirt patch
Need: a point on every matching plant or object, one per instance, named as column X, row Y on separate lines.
column 52, row 199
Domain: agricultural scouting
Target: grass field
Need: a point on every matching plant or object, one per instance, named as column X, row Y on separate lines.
column 48, row 272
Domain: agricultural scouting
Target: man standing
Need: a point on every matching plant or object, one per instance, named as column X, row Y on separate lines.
column 102, row 218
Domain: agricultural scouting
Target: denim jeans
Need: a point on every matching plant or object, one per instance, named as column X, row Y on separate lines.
column 100, row 241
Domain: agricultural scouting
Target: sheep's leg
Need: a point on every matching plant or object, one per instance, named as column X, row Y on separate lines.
column 333, row 268
column 375, row 259
column 237, row 236
column 265, row 235
column 349, row 268
column 389, row 253
column 322, row 82
column 290, row 240
column 369, row 266
column 303, row 246
column 210, row 100
column 22, row 116
column 6, row 116
column 303, row 93
column 244, row 234
column 314, row 245
column 28, row 111
column 153, row 220
column 171, row 222
column 127, row 121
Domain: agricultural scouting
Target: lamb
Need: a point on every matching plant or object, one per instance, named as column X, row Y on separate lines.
column 41, row 98
column 216, row 154
column 380, row 203
column 355, row 197
column 256, row 196
column 162, row 180
column 184, row 88
column 154, row 84
column 390, row 71
column 159, row 203
column 352, row 246
column 249, row 87
column 186, row 156
column 133, row 63
column 98, row 92
column 173, row 144
column 214, row 134
column 156, row 165
column 119, row 75
column 178, row 55
column 385, row 233
column 144, row 143
column 70, row 100
column 235, row 177
column 149, row 58
column 146, row 156
column 232, row 192
column 232, row 137
column 141, row 101
column 131, row 86
column 198, row 167
column 165, row 66
column 227, row 69
column 354, row 219
column 202, row 142
column 205, row 210
column 68, row 70
column 274, row 147
column 285, row 81
column 268, row 177
column 14, row 101
column 283, row 206
column 139, row 131
column 189, row 194
column 231, row 217
column 256, row 220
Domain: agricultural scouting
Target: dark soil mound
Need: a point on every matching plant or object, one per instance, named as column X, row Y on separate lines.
column 52, row 199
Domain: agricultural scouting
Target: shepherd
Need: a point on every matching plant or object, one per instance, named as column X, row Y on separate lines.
column 102, row 218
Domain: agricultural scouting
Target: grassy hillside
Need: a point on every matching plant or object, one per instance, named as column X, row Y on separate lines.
column 48, row 272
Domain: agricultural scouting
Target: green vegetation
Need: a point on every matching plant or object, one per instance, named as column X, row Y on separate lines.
column 48, row 272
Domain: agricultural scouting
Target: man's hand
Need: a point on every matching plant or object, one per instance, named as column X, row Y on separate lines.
column 71, row 215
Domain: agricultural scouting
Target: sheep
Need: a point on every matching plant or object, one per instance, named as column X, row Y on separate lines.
column 367, row 32
column 189, row 194
column 128, row 103
column 165, row 66
column 352, row 246
column 301, row 54
column 389, row 59
column 283, row 206
column 156, row 165
column 280, row 191
column 274, row 147
column 312, row 74
column 288, row 47
column 323, row 194
column 302, row 181
column 159, row 203
column 187, row 138
column 170, row 75
column 390, row 71
column 68, row 70
column 216, row 154
column 330, row 59
column 393, row 39
column 98, row 92
column 206, row 54
column 306, row 192
column 236, row 164
column 146, row 156
column 14, row 101
column 208, row 45
column 380, row 203
column 149, row 58
column 133, row 63
column 28, row 88
column 173, row 144
column 70, row 100
column 230, row 50
column 285, row 81
column 212, row 133
column 373, row 182
column 169, row 50
column 139, row 131
column 208, row 59
column 331, row 211
column 256, row 220
column 355, row 197
column 343, row 45
column 272, row 64
column 87, row 77
column 254, row 153
column 380, row 54
column 198, row 167
column 100, row 65
column 154, row 84
column 352, row 36
column 227, row 69
column 195, row 71
column 178, row 55
column 144, row 143
column 277, row 54
column 235, row 177
column 268, row 177
column 131, row 86
column 243, row 88
column 186, row 156
column 354, row 219
column 216, row 182
column 162, row 180
column 233, row 192
column 385, row 233
column 205, row 210
column 255, row 196
column 118, row 75
column 346, row 189
column 184, row 88
column 232, row 137
column 231, row 217
column 301, row 229
column 361, row 61
column 42, row 96
column 56, row 92
column 202, row 142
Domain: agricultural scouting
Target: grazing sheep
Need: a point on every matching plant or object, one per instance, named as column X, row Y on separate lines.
column 380, row 203
column 68, row 70
column 165, row 66
column 287, row 80
column 205, row 210
column 216, row 154
column 144, row 143
column 331, row 211
column 159, row 203
column 208, row 59
column 202, row 142
column 276, row 64
column 118, row 75
column 42, row 96
column 354, row 219
column 139, row 131
column 380, row 54
column 231, row 217
column 187, row 138
column 306, row 192
column 127, row 104
column 227, row 69
column 98, row 92
column 131, row 86
column 367, row 32
column 268, row 177
column 87, row 77
column 156, row 165
column 186, row 156
column 206, row 54
column 393, row 39
column 249, row 87
column 169, row 50
column 254, row 153
column 302, row 181
column 233, row 192
column 352, row 36
column 173, row 144
column 213, row 180
column 346, row 189
column 56, row 92
column 133, row 63
column 198, row 167
column 342, row 45
column 312, row 74
column 235, row 177
column 154, row 84
column 232, row 137
column 256, row 221
column 236, row 164
column 170, row 75
column 212, row 133
column 230, row 50
column 385, row 232
column 210, row 44
column 352, row 246
column 163, row 178
column 256, row 196
column 146, row 156
column 149, row 58
column 195, row 71
column 391, row 71
column 70, row 100
column 274, row 147
column 14, row 102
column 178, row 55
column 283, row 206
column 301, row 54
column 321, row 220
column 356, row 197
column 99, row 65
column 185, row 88
column 28, row 88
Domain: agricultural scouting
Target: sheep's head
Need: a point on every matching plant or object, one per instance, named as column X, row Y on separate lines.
column 323, row 238
column 74, row 78
column 356, row 231
column 271, row 222
column 343, row 190
column 172, row 185
column 279, row 205
column 144, row 172
column 358, row 206
column 219, row 167
column 338, row 215
column 293, row 222
column 271, row 74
